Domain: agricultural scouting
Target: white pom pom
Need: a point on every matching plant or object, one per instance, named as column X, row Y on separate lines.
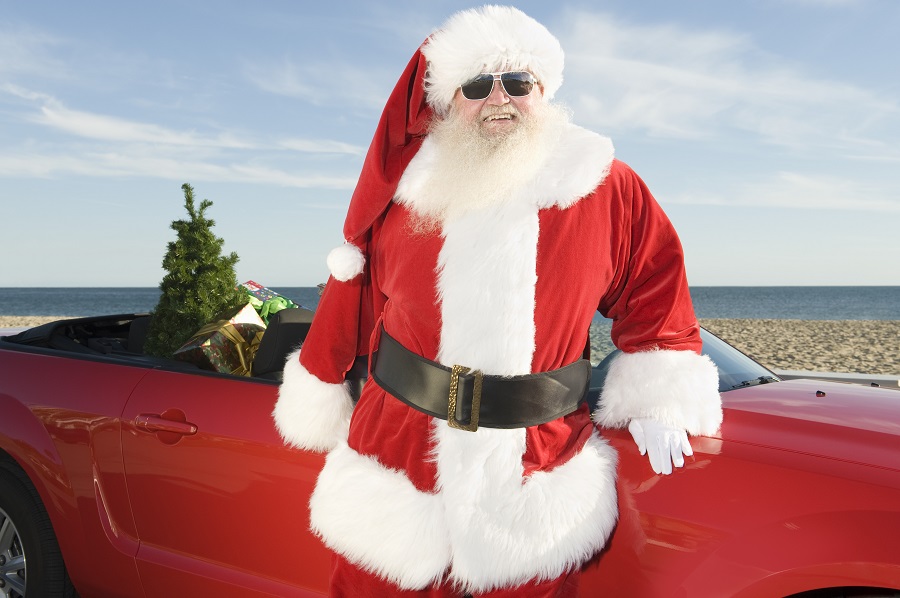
column 345, row 262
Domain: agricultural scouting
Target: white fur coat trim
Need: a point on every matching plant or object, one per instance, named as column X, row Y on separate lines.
column 489, row 39
column 487, row 277
column 506, row 529
column 489, row 525
column 379, row 521
column 311, row 414
column 679, row 388
column 575, row 167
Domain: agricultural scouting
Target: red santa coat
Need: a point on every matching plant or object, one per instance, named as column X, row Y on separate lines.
column 509, row 289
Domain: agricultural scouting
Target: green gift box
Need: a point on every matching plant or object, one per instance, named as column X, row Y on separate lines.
column 226, row 345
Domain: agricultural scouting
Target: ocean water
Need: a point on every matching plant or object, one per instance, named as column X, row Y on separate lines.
column 800, row 303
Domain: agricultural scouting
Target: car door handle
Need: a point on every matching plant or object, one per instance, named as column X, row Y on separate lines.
column 172, row 421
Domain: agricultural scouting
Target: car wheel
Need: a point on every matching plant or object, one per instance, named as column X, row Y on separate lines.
column 31, row 563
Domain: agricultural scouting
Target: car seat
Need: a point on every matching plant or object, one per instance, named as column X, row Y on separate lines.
column 286, row 331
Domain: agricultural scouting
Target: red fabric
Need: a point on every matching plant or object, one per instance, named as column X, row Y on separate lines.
column 618, row 251
column 650, row 306
column 337, row 317
column 404, row 286
column 349, row 581
column 403, row 124
column 628, row 263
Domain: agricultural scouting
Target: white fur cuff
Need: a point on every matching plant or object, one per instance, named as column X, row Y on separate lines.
column 345, row 262
column 678, row 388
column 311, row 414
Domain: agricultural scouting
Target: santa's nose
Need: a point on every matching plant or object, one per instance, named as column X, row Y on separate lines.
column 498, row 95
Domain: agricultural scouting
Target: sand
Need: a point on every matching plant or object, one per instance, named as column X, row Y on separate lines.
column 840, row 346
column 26, row 321
column 852, row 346
column 846, row 346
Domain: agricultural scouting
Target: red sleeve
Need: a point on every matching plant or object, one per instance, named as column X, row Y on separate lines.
column 331, row 345
column 344, row 321
column 649, row 301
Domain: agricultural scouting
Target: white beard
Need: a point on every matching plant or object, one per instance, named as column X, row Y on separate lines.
column 473, row 170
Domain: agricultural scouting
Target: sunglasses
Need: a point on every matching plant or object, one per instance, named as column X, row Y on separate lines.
column 515, row 83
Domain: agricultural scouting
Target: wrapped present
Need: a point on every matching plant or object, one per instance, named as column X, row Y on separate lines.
column 226, row 345
column 265, row 300
column 254, row 289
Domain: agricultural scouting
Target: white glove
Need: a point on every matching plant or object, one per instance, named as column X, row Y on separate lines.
column 663, row 444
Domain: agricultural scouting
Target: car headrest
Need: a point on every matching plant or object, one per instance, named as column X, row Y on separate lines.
column 137, row 334
column 285, row 332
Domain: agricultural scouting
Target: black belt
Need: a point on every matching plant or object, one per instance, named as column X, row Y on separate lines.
column 490, row 401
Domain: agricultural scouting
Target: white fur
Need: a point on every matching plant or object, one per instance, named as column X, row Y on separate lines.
column 580, row 163
column 413, row 188
column 489, row 525
column 575, row 167
column 486, row 285
column 345, row 262
column 489, row 39
column 678, row 388
column 311, row 414
column 506, row 530
column 378, row 520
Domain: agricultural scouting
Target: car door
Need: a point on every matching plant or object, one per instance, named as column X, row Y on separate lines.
column 220, row 504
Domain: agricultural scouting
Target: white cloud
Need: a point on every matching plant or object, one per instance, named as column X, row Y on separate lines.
column 147, row 162
column 321, row 146
column 109, row 128
column 669, row 81
column 24, row 50
column 100, row 145
column 802, row 191
column 88, row 125
column 323, row 84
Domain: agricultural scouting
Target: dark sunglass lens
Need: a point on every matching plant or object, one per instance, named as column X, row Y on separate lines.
column 478, row 88
column 517, row 84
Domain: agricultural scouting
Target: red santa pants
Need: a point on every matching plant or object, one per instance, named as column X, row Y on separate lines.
column 349, row 581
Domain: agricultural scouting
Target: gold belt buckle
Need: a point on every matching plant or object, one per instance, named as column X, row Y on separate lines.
column 455, row 373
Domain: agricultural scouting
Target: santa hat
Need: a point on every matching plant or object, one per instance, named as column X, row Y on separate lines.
column 474, row 41
column 489, row 39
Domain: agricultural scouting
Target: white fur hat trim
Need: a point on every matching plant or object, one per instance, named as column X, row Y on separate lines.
column 489, row 39
column 345, row 262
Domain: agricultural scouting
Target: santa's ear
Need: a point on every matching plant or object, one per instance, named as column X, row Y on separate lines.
column 346, row 262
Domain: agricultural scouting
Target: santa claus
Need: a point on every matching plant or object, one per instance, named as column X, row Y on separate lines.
column 484, row 233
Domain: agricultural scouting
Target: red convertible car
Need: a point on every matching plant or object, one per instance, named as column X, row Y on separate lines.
column 127, row 475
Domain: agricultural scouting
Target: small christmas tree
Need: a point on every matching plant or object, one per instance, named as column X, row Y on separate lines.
column 199, row 285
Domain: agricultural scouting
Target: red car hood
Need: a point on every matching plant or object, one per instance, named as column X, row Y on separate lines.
column 849, row 422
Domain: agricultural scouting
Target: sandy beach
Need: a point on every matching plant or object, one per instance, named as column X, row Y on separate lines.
column 26, row 321
column 846, row 346
column 853, row 346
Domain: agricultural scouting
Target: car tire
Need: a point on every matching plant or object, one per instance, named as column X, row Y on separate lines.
column 26, row 533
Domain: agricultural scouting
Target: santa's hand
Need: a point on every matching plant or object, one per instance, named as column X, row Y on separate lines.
column 664, row 444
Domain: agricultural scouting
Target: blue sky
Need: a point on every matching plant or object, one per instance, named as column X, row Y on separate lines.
column 767, row 129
